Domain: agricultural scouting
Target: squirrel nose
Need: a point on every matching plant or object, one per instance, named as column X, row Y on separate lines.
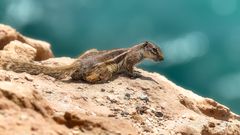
column 161, row 58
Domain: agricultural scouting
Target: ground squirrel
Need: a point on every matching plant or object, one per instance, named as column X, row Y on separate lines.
column 94, row 66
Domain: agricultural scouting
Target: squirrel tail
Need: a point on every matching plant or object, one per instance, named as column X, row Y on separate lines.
column 35, row 69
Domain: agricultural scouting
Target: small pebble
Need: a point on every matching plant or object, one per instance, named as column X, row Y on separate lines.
column 48, row 92
column 15, row 78
column 141, row 109
column 116, row 109
column 112, row 100
column 144, row 97
column 147, row 129
column 127, row 96
column 75, row 132
column 124, row 114
column 7, row 78
column 158, row 114
column 112, row 115
column 191, row 118
column 23, row 117
column 211, row 124
column 129, row 88
column 34, row 128
column 103, row 90
column 111, row 91
column 29, row 78
column 79, row 88
column 144, row 88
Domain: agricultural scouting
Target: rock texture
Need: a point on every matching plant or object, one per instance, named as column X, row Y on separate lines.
column 8, row 34
column 150, row 104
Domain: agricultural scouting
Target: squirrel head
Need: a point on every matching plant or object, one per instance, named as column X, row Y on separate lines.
column 152, row 51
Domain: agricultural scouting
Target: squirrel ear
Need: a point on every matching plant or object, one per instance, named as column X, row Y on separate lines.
column 145, row 44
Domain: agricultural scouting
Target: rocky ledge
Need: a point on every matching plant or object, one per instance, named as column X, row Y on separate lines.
column 151, row 104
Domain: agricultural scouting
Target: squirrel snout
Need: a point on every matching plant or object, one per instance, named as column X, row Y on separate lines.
column 161, row 58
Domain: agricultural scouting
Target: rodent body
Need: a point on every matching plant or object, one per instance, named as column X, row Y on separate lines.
column 94, row 66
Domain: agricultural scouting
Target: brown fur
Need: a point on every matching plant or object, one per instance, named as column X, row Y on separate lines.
column 93, row 66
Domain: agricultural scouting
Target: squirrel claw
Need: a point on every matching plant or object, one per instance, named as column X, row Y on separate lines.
column 135, row 74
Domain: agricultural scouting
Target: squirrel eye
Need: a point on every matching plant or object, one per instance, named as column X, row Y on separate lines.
column 154, row 51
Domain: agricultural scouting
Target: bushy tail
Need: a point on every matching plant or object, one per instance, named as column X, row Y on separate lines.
column 35, row 69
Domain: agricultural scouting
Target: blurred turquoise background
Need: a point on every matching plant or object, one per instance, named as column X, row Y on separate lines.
column 200, row 38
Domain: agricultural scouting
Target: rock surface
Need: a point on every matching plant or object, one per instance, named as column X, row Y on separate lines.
column 8, row 34
column 18, row 50
column 151, row 104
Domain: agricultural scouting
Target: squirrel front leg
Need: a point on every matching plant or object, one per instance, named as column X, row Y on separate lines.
column 132, row 73
column 129, row 66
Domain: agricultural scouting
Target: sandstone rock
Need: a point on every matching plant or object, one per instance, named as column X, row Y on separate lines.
column 8, row 34
column 96, row 124
column 18, row 50
column 87, row 110
column 24, row 97
column 43, row 48
column 24, row 111
column 151, row 104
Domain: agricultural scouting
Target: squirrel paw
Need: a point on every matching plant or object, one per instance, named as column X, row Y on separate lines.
column 135, row 74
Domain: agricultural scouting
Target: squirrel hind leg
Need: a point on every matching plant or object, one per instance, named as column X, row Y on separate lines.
column 76, row 75
column 99, row 74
